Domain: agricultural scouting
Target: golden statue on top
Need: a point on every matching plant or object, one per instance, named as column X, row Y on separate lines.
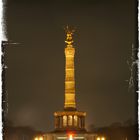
column 69, row 33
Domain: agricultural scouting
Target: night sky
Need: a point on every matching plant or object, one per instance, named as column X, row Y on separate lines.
column 105, row 32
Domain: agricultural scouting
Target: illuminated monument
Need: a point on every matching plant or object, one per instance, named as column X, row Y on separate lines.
column 70, row 118
column 69, row 123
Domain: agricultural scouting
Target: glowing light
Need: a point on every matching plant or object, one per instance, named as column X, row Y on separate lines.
column 41, row 138
column 36, row 138
column 70, row 137
column 102, row 138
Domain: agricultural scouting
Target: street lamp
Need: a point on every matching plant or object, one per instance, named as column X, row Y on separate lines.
column 103, row 138
column 38, row 138
column 100, row 138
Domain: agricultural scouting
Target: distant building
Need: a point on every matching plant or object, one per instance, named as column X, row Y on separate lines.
column 70, row 122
